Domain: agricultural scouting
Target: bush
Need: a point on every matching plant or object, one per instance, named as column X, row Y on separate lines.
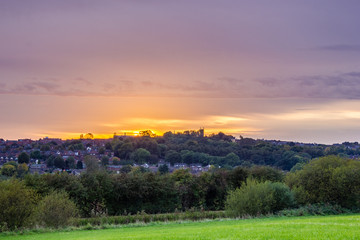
column 16, row 204
column 255, row 198
column 314, row 209
column 55, row 210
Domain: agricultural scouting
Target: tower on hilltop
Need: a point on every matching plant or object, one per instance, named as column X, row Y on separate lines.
column 201, row 132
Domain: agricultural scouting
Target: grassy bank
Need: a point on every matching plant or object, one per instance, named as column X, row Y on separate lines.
column 314, row 227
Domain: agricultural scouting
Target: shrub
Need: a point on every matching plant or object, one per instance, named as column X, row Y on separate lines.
column 16, row 204
column 254, row 198
column 55, row 210
column 314, row 209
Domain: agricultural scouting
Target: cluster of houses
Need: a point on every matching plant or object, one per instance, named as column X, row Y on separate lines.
column 10, row 150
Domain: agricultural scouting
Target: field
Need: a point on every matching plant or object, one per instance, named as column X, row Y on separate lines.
column 319, row 227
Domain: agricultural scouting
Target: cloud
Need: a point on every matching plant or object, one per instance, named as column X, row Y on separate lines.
column 53, row 86
column 43, row 88
column 230, row 80
column 337, row 86
column 340, row 47
column 268, row 82
column 81, row 80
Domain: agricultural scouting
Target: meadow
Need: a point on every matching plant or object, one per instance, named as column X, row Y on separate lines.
column 313, row 227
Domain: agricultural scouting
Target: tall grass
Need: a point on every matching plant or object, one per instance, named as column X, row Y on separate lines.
column 147, row 218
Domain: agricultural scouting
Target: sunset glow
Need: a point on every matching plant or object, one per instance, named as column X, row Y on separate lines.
column 261, row 69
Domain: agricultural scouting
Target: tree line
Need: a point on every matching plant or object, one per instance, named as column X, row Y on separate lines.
column 242, row 190
column 220, row 150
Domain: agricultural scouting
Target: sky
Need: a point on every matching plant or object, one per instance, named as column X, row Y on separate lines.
column 279, row 69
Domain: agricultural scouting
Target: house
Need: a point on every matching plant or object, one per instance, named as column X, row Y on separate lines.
column 114, row 168
column 37, row 168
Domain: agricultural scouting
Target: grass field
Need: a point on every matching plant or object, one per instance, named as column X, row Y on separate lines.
column 319, row 227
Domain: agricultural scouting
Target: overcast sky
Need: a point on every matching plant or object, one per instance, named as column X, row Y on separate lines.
column 277, row 69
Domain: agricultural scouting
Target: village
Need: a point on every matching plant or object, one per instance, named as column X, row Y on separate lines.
column 40, row 150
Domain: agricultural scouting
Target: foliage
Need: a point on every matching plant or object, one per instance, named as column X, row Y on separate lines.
column 95, row 190
column 164, row 169
column 123, row 150
column 105, row 160
column 126, row 169
column 255, row 198
column 59, row 162
column 36, row 154
column 116, row 161
column 329, row 179
column 22, row 169
column 70, row 163
column 11, row 169
column 138, row 191
column 8, row 170
column 50, row 161
column 314, row 209
column 266, row 173
column 55, row 210
column 23, row 158
column 134, row 189
column 92, row 163
column 146, row 218
column 16, row 204
column 140, row 156
column 172, row 157
column 79, row 165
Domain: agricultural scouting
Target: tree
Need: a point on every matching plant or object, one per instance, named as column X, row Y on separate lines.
column 23, row 158
column 140, row 156
column 22, row 169
column 116, row 161
column 187, row 156
column 59, row 162
column 162, row 148
column 172, row 157
column 101, row 150
column 92, row 164
column 79, row 165
column 146, row 133
column 124, row 150
column 266, row 173
column 188, row 189
column 97, row 189
column 164, row 169
column 70, row 163
column 126, row 169
column 50, row 161
column 16, row 204
column 35, row 154
column 108, row 146
column 254, row 198
column 105, row 160
column 232, row 159
column 55, row 210
column 87, row 136
column 8, row 170
column 329, row 179
column 238, row 176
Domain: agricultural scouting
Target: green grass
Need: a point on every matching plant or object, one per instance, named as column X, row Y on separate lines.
column 315, row 227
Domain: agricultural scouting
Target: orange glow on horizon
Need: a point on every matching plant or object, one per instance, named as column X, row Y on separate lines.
column 136, row 133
